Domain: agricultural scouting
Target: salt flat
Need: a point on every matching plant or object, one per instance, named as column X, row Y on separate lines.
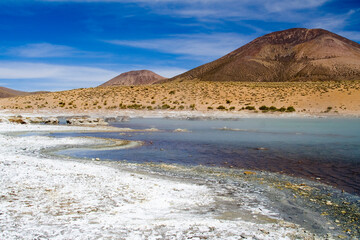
column 47, row 197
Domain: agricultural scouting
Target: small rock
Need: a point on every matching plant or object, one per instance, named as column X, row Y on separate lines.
column 18, row 120
column 261, row 149
column 35, row 120
column 52, row 120
column 249, row 173
column 329, row 203
column 181, row 130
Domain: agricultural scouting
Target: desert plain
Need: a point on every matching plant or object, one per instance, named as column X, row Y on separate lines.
column 330, row 98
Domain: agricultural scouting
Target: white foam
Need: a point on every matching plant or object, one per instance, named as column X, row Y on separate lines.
column 53, row 198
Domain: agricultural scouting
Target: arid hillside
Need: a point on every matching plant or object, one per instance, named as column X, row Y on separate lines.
column 132, row 78
column 297, row 54
column 305, row 97
column 7, row 92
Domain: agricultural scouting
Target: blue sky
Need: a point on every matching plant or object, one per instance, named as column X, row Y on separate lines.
column 66, row 44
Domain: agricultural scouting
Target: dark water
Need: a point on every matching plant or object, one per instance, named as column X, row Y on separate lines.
column 324, row 149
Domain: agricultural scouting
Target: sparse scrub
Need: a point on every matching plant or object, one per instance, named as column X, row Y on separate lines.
column 165, row 106
column 328, row 109
column 250, row 108
column 290, row 109
column 263, row 108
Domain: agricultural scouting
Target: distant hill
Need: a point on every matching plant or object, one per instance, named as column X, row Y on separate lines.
column 297, row 54
column 141, row 77
column 7, row 92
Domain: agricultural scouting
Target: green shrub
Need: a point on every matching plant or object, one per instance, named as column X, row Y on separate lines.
column 282, row 109
column 221, row 107
column 134, row 106
column 263, row 108
column 273, row 108
column 165, row 106
column 172, row 92
column 232, row 108
column 192, row 106
column 250, row 108
column 328, row 109
column 290, row 109
column 181, row 107
column 210, row 108
column 61, row 104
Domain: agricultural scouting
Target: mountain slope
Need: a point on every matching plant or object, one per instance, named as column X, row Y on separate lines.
column 297, row 54
column 7, row 92
column 141, row 77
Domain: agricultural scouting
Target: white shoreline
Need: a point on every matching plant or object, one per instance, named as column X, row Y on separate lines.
column 43, row 197
column 175, row 114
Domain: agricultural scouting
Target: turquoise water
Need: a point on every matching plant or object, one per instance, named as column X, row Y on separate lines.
column 324, row 149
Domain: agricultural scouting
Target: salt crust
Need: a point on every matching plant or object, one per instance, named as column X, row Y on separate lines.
column 41, row 197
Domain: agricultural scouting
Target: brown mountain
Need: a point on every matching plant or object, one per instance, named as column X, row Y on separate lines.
column 297, row 54
column 141, row 77
column 7, row 92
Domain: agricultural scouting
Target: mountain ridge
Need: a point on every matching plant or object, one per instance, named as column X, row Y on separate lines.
column 133, row 78
column 8, row 92
column 297, row 54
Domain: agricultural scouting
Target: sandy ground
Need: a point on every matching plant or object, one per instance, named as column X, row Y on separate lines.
column 200, row 98
column 44, row 197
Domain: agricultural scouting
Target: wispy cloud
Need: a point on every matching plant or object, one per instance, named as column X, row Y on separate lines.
column 331, row 22
column 48, row 50
column 194, row 45
column 168, row 72
column 52, row 77
column 40, row 74
column 42, row 50
column 219, row 9
column 352, row 35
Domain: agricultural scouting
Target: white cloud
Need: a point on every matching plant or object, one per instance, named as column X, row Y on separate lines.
column 330, row 22
column 51, row 74
column 335, row 23
column 42, row 50
column 41, row 76
column 352, row 35
column 168, row 72
column 48, row 50
column 280, row 6
column 197, row 45
column 220, row 9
